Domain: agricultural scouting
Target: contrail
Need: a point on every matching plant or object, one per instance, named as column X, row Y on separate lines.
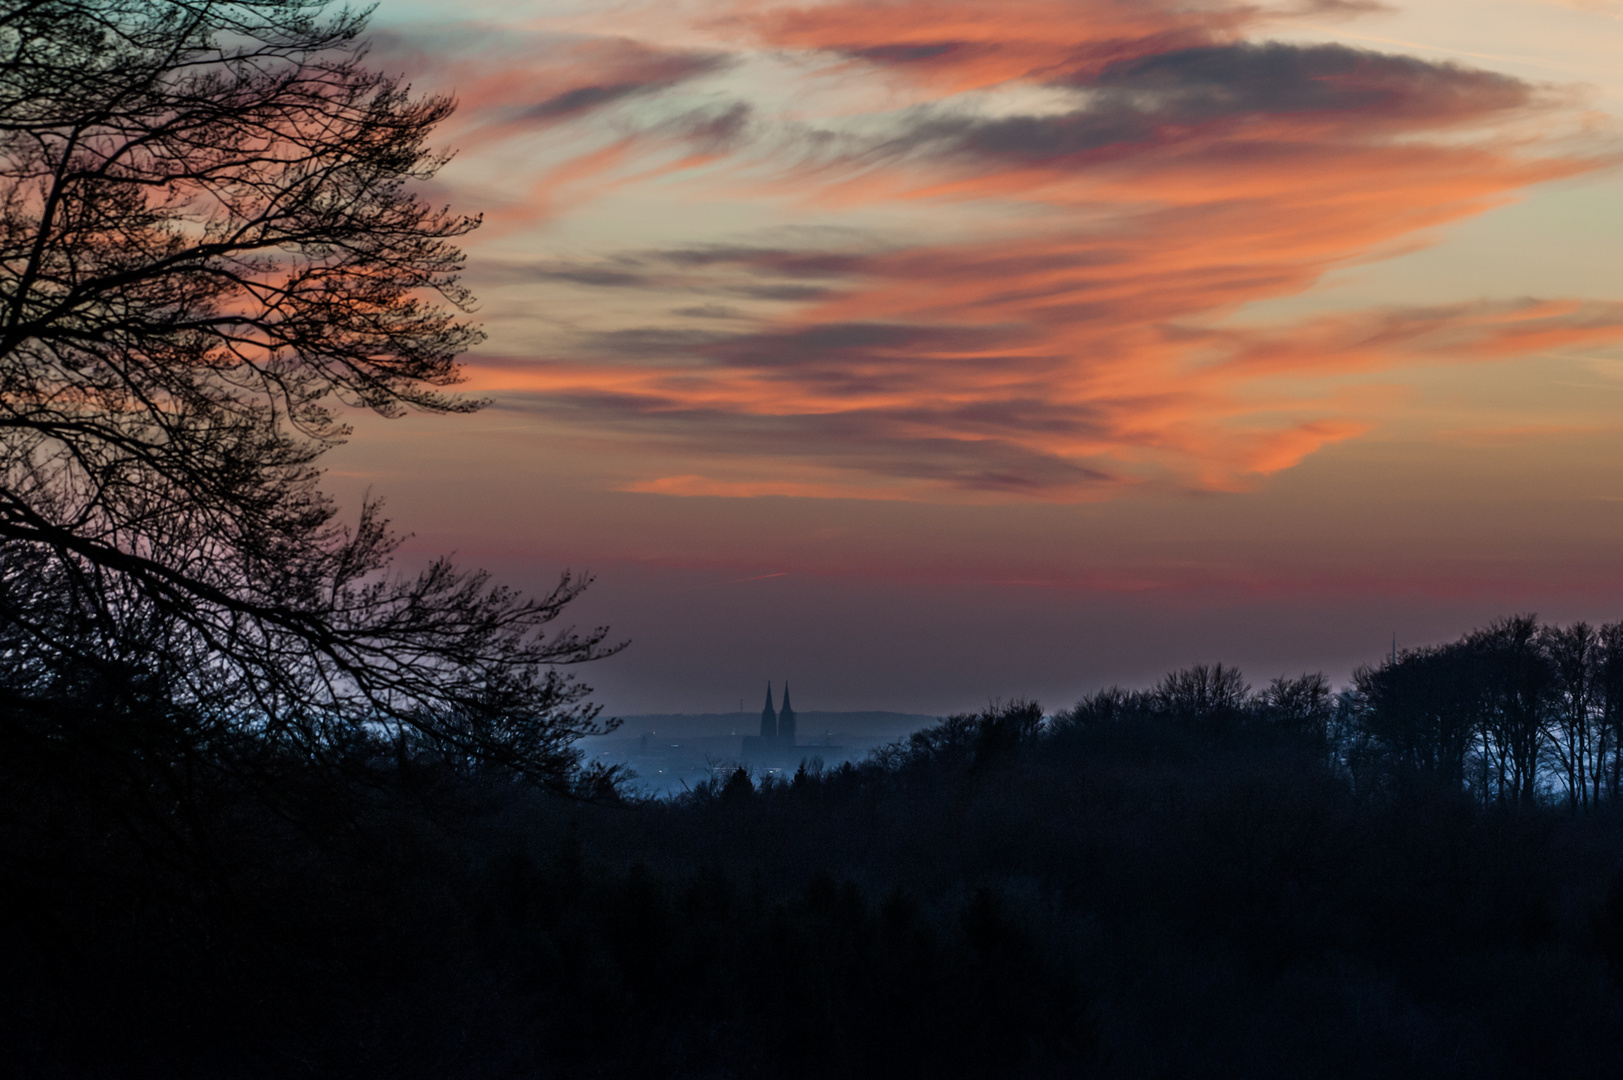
column 759, row 577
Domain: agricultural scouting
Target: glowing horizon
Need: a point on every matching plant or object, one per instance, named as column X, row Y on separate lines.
column 1318, row 299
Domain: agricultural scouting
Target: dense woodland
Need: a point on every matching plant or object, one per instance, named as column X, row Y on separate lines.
column 1401, row 878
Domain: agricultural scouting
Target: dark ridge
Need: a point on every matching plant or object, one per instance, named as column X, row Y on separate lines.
column 1198, row 879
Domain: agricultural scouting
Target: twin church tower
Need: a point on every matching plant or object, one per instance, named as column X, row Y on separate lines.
column 775, row 747
column 778, row 727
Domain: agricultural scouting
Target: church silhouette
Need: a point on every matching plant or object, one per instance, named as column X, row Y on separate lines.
column 780, row 725
column 777, row 737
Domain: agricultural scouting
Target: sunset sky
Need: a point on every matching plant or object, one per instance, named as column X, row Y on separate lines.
column 927, row 351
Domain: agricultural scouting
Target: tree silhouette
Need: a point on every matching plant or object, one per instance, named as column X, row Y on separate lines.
column 1424, row 712
column 209, row 247
column 1304, row 704
column 1203, row 696
column 1609, row 691
column 1577, row 739
column 1521, row 683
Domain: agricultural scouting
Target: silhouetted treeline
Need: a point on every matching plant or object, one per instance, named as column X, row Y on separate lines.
column 1516, row 712
column 1418, row 875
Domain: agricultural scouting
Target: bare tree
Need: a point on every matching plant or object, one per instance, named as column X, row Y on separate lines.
column 1423, row 713
column 1521, row 682
column 1577, row 738
column 1609, row 691
column 209, row 246
column 1203, row 695
column 1304, row 704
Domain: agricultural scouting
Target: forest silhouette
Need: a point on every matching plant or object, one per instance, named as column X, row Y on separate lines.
column 269, row 807
column 1190, row 880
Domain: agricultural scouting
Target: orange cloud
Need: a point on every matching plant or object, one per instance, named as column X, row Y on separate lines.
column 1376, row 341
column 508, row 82
column 1080, row 336
column 575, row 96
column 966, row 45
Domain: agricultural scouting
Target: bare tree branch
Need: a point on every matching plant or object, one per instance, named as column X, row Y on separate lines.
column 209, row 244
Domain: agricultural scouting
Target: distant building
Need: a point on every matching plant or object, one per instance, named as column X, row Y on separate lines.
column 786, row 718
column 776, row 742
column 769, row 717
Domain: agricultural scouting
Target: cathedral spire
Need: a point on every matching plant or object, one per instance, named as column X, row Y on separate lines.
column 769, row 716
column 786, row 718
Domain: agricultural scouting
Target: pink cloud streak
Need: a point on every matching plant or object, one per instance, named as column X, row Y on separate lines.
column 1087, row 341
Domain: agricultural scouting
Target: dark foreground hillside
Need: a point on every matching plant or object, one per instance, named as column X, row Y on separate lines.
column 1121, row 891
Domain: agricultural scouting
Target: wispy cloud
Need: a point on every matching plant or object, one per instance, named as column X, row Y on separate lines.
column 506, row 81
column 1113, row 182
